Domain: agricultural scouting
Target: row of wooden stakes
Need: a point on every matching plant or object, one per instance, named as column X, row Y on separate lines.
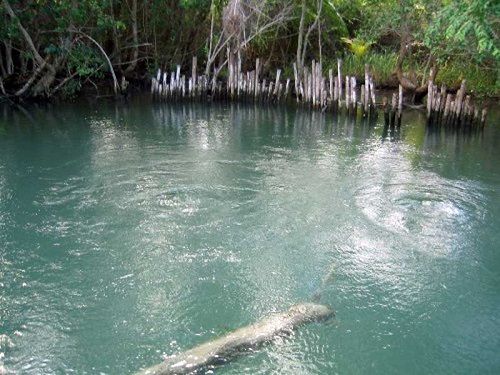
column 309, row 89
column 312, row 89
column 447, row 110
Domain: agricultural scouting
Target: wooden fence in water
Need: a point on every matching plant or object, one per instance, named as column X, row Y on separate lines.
column 444, row 109
column 311, row 89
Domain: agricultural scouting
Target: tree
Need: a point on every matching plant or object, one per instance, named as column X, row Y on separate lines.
column 466, row 29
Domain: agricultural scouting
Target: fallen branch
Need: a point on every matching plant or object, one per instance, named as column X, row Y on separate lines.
column 32, row 79
column 236, row 342
column 63, row 82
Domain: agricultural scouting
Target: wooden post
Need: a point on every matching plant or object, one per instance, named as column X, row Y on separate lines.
column 331, row 86
column 393, row 109
column 353, row 96
column 276, row 85
column 270, row 91
column 347, row 93
column 483, row 117
column 339, row 76
column 400, row 105
column 400, row 99
column 263, row 89
column 476, row 117
column 459, row 99
column 153, row 85
column 367, row 88
column 429, row 98
column 172, row 83
column 385, row 107
column 362, row 98
column 446, row 109
column 257, row 67
column 313, row 82
column 178, row 75
column 296, row 82
column 465, row 111
column 193, row 72
column 372, row 93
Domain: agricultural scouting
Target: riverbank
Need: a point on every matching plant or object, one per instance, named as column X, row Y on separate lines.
column 483, row 82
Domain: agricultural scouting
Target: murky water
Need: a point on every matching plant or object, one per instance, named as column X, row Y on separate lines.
column 135, row 230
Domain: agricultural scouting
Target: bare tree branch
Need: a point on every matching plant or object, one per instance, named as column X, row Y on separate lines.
column 115, row 81
column 26, row 36
column 32, row 79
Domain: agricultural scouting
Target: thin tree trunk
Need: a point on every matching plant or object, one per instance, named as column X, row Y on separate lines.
column 2, row 88
column 319, row 43
column 310, row 29
column 135, row 39
column 116, row 41
column 26, row 36
column 116, row 86
column 301, row 39
column 8, row 57
column 209, row 55
column 3, row 72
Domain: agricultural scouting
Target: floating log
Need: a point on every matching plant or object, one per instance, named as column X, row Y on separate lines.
column 238, row 341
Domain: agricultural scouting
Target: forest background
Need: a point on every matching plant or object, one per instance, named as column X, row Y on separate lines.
column 60, row 48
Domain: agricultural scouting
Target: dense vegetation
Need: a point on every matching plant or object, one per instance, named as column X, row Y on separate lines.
column 56, row 47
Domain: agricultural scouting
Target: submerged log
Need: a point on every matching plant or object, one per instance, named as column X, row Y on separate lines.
column 237, row 341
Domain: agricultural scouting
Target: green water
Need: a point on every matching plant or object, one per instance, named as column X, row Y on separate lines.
column 129, row 231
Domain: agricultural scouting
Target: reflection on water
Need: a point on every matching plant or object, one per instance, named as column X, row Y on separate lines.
column 133, row 230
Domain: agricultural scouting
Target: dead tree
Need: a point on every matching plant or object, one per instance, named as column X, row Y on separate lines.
column 242, row 21
column 303, row 39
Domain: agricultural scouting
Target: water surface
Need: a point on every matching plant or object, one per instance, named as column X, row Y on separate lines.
column 133, row 230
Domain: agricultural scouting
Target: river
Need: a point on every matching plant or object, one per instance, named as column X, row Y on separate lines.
column 133, row 230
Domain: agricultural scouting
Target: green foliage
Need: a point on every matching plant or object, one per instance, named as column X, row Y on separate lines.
column 170, row 32
column 333, row 11
column 70, row 90
column 193, row 4
column 466, row 28
column 481, row 81
column 358, row 47
column 85, row 61
column 382, row 66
